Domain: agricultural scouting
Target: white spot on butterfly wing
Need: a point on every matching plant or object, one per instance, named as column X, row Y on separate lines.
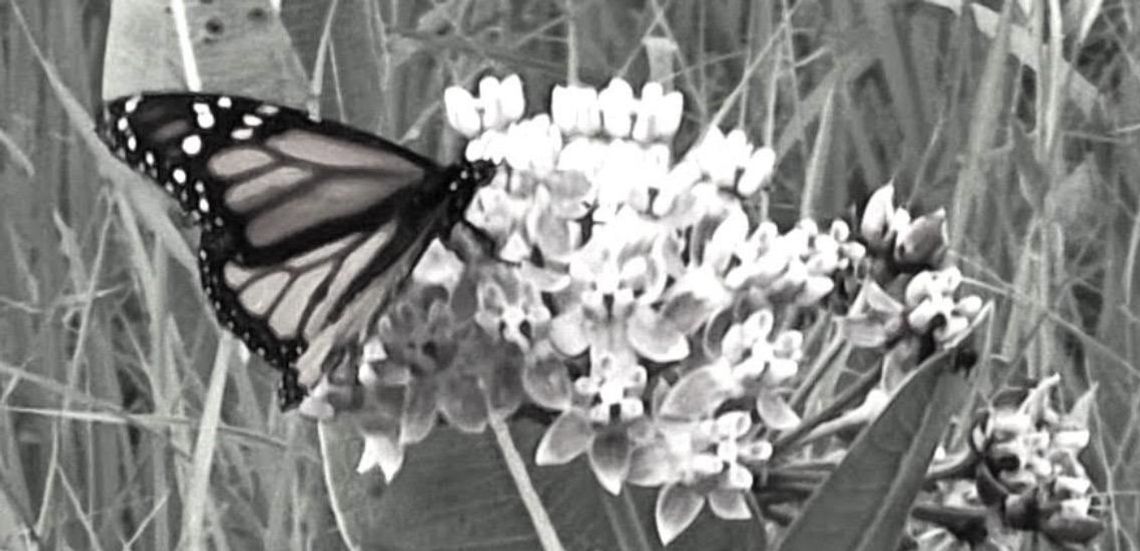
column 267, row 110
column 132, row 143
column 132, row 104
column 251, row 120
column 203, row 205
column 192, row 145
column 122, row 124
column 179, row 175
column 225, row 102
column 205, row 120
column 242, row 134
column 149, row 157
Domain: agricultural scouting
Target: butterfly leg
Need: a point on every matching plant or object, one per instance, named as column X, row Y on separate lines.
column 290, row 392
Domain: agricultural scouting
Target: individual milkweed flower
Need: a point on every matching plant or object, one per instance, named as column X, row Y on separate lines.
column 556, row 236
column 1030, row 474
column 440, row 366
column 487, row 120
column 698, row 462
column 750, row 362
column 382, row 449
column 533, row 146
column 796, row 267
column 723, row 157
column 575, row 110
column 658, row 114
column 929, row 296
column 758, row 171
column 499, row 103
column 512, row 308
column 876, row 224
column 316, row 404
column 615, row 280
column 438, row 266
column 621, row 178
column 605, row 420
column 923, row 241
column 674, row 199
column 381, row 421
column 546, row 378
column 617, row 106
column 700, row 290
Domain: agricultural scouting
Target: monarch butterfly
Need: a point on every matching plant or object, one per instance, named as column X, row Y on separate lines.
column 308, row 227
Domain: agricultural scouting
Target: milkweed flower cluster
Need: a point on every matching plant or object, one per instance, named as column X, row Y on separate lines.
column 634, row 300
column 1024, row 471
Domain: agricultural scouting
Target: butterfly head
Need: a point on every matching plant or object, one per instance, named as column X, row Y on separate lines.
column 476, row 173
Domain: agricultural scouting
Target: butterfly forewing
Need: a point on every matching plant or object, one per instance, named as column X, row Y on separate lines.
column 299, row 217
column 277, row 181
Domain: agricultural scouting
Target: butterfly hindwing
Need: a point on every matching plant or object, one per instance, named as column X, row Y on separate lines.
column 308, row 227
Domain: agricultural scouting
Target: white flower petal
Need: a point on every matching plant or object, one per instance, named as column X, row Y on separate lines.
column 563, row 108
column 969, row 306
column 587, row 115
column 814, row 290
column 677, row 507
column 566, row 438
column 616, row 103
column 698, row 393
column 609, row 459
column 462, row 113
column 733, row 424
column 492, row 115
column 757, row 171
column 373, row 351
column 568, row 332
column 668, row 115
column 728, row 237
column 738, row 477
column 739, row 150
column 475, row 149
column 652, row 465
column 775, row 412
column 512, row 101
column 713, row 157
column 729, row 504
column 316, row 407
column 875, row 225
column 380, row 450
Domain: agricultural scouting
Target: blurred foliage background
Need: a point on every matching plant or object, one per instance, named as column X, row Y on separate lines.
column 1024, row 127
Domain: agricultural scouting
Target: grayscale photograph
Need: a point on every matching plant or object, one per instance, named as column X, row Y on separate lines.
column 570, row 275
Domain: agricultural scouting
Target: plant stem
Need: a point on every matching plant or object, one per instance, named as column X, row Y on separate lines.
column 330, row 486
column 625, row 522
column 571, row 44
column 543, row 527
column 865, row 383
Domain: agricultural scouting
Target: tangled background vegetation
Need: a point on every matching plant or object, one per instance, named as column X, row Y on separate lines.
column 124, row 424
